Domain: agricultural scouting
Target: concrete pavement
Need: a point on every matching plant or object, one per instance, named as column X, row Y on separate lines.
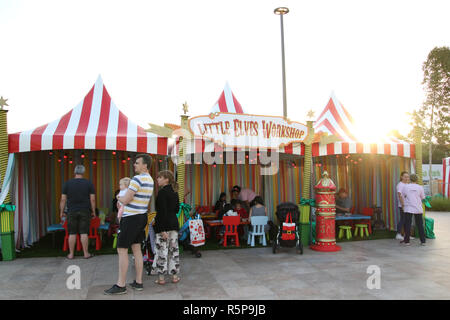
column 413, row 272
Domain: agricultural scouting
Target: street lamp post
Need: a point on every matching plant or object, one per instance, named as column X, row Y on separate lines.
column 281, row 11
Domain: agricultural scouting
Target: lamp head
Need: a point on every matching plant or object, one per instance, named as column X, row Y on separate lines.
column 281, row 11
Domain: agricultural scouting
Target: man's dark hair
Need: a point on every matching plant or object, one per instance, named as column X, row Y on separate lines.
column 145, row 159
column 234, row 202
column 236, row 188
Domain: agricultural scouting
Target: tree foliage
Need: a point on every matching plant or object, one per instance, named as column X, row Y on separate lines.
column 436, row 106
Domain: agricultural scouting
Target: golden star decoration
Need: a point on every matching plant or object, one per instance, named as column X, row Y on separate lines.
column 3, row 102
column 310, row 114
column 185, row 107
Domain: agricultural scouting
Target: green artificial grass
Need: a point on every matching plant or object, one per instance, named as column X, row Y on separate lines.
column 376, row 235
column 44, row 248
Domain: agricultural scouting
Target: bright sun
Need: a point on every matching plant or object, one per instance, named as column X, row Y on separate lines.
column 375, row 129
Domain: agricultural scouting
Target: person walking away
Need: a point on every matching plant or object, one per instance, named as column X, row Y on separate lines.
column 79, row 194
column 404, row 179
column 413, row 195
column 131, row 231
column 167, row 258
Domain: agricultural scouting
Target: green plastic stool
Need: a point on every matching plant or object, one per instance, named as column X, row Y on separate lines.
column 361, row 227
column 115, row 240
column 347, row 230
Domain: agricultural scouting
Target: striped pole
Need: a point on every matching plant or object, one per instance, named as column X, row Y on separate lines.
column 6, row 215
column 4, row 147
column 306, row 188
column 418, row 144
column 181, row 167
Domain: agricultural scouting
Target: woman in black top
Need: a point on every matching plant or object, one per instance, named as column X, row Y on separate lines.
column 167, row 257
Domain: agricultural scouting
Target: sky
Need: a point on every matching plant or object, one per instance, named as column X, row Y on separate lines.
column 155, row 55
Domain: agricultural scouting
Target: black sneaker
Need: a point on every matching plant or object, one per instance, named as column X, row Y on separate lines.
column 115, row 289
column 137, row 286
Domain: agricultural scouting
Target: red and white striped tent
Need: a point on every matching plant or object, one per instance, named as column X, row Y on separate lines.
column 96, row 124
column 336, row 120
column 446, row 171
column 227, row 102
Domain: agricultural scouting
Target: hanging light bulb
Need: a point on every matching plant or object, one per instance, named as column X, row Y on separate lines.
column 124, row 161
column 59, row 160
column 114, row 153
column 82, row 156
column 50, row 153
column 94, row 162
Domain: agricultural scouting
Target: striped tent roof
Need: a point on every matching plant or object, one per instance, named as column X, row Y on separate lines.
column 336, row 120
column 227, row 102
column 95, row 123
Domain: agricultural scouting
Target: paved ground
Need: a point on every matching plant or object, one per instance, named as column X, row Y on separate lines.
column 413, row 272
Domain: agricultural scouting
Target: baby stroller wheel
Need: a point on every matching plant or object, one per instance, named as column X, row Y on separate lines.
column 299, row 248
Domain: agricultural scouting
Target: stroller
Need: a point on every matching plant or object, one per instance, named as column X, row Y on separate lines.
column 148, row 244
column 282, row 212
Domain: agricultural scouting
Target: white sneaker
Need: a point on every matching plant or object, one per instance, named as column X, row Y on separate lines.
column 399, row 237
column 412, row 238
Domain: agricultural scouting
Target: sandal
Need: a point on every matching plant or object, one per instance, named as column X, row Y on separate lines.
column 175, row 279
column 161, row 282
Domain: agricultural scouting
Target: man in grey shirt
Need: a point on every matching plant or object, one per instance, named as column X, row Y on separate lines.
column 343, row 202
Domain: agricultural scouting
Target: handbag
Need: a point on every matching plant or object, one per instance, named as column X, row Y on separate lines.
column 288, row 229
column 197, row 232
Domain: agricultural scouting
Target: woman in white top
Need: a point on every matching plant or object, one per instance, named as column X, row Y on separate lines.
column 404, row 180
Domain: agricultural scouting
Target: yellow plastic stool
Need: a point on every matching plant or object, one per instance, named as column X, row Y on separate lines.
column 361, row 228
column 347, row 230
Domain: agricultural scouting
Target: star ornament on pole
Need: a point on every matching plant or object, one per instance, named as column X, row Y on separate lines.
column 310, row 114
column 3, row 103
column 185, row 108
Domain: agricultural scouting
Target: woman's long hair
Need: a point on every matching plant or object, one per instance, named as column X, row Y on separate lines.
column 167, row 174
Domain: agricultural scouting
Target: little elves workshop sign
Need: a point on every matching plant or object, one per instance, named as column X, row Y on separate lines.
column 245, row 130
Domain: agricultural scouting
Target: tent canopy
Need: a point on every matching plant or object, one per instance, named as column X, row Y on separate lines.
column 336, row 120
column 95, row 123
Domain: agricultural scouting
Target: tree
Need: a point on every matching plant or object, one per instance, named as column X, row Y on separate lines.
column 435, row 109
